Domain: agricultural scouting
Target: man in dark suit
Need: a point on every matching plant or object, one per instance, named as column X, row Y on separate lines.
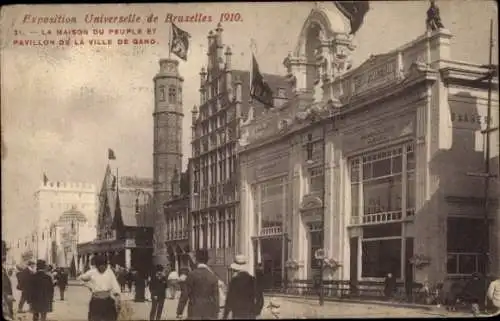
column 158, row 289
column 202, row 291
column 41, row 292
column 244, row 297
column 61, row 281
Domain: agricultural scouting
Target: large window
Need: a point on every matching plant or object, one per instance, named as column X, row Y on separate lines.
column 222, row 229
column 467, row 241
column 377, row 184
column 316, row 179
column 272, row 206
column 213, row 230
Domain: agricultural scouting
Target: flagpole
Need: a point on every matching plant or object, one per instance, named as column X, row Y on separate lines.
column 170, row 40
column 251, row 68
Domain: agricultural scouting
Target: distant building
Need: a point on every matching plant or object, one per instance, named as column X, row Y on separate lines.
column 214, row 167
column 53, row 201
column 370, row 164
column 125, row 224
column 176, row 213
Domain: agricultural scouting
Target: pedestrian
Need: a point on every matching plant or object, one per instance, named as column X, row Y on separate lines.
column 40, row 292
column 182, row 279
column 245, row 298
column 474, row 293
column 62, row 282
column 22, row 283
column 158, row 289
column 493, row 295
column 105, row 299
column 130, row 279
column 7, row 294
column 389, row 286
column 201, row 290
column 140, row 286
column 173, row 283
column 122, row 277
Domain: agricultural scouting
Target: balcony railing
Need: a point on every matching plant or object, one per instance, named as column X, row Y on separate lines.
column 273, row 230
column 377, row 218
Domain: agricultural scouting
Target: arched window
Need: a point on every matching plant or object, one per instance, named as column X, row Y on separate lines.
column 180, row 94
column 172, row 95
column 161, row 93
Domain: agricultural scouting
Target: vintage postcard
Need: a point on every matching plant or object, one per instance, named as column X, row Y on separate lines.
column 250, row 160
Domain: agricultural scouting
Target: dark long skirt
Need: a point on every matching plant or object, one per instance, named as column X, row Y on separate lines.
column 102, row 310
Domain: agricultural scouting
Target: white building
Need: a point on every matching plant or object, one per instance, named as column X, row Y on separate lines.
column 372, row 164
column 65, row 213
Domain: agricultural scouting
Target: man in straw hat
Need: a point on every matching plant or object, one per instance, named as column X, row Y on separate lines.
column 244, row 297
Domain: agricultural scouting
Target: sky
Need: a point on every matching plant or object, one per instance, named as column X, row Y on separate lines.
column 62, row 108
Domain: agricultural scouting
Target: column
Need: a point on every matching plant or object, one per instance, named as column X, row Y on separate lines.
column 128, row 258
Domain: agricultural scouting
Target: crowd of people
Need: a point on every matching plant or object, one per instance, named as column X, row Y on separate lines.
column 201, row 290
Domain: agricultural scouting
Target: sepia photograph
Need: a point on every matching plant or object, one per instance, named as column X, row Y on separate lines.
column 250, row 160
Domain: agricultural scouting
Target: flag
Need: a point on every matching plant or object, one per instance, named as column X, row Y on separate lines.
column 113, row 183
column 111, row 154
column 179, row 43
column 45, row 179
column 260, row 89
column 355, row 11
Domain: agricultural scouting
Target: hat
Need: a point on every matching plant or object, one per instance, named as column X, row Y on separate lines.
column 202, row 256
column 239, row 263
column 41, row 265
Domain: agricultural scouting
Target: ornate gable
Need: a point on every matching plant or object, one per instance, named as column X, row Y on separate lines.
column 310, row 202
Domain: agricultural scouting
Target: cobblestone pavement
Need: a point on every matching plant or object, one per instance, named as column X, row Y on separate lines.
column 76, row 304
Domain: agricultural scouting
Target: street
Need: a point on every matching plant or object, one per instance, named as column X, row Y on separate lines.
column 77, row 297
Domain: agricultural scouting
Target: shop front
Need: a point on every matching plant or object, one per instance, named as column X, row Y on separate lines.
column 266, row 213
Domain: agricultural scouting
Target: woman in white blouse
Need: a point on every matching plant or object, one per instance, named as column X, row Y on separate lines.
column 105, row 289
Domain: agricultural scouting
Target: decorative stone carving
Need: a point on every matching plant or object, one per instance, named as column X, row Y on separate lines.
column 310, row 202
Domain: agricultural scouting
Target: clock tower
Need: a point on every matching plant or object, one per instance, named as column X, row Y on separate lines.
column 167, row 147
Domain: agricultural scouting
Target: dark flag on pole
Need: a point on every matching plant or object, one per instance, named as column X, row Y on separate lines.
column 111, row 154
column 355, row 11
column 113, row 183
column 260, row 89
column 179, row 43
column 45, row 179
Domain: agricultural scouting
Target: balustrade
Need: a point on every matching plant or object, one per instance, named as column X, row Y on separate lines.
column 273, row 230
column 377, row 218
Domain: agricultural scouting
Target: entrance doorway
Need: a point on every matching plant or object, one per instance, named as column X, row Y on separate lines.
column 271, row 258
